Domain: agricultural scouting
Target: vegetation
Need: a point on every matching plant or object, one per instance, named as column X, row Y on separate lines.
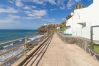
column 63, row 26
column 42, row 29
column 47, row 28
column 52, row 27
column 96, row 48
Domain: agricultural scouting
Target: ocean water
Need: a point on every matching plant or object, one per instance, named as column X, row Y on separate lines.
column 7, row 35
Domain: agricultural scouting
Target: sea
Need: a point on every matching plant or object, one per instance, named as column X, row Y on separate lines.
column 8, row 35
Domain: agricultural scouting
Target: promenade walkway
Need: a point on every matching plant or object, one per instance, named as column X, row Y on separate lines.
column 62, row 54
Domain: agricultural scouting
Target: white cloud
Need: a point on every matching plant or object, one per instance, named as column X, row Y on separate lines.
column 14, row 17
column 49, row 19
column 62, row 7
column 8, row 21
column 38, row 1
column 5, row 22
column 26, row 7
column 19, row 3
column 77, row 0
column 8, row 10
column 11, row 1
column 29, row 7
column 38, row 13
column 53, row 9
column 52, row 2
column 27, row 12
column 33, row 6
column 70, row 4
column 59, row 3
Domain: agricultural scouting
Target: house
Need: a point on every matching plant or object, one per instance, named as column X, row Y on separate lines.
column 82, row 19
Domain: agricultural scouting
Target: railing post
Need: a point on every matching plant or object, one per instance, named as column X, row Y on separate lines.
column 25, row 42
column 91, row 36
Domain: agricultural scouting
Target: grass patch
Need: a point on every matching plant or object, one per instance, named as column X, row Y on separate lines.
column 96, row 48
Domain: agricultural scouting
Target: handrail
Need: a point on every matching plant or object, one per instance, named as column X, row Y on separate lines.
column 12, row 41
column 16, row 57
column 14, row 49
column 29, row 54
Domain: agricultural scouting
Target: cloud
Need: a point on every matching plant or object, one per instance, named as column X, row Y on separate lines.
column 33, row 6
column 26, row 7
column 11, row 19
column 5, row 22
column 53, row 9
column 14, row 17
column 59, row 3
column 38, row 13
column 70, row 3
column 27, row 12
column 38, row 1
column 49, row 20
column 62, row 7
column 51, row 2
column 11, row 22
column 11, row 1
column 77, row 0
column 19, row 3
column 8, row 10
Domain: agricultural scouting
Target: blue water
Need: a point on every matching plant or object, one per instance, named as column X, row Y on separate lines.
column 7, row 35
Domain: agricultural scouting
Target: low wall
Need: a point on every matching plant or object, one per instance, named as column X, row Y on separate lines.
column 81, row 42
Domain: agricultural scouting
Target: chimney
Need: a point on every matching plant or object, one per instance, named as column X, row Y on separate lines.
column 79, row 6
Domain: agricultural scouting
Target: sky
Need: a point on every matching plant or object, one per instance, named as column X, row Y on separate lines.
column 31, row 14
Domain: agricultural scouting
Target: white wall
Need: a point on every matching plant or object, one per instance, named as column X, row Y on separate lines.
column 90, row 15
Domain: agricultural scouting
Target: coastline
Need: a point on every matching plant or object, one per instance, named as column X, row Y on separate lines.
column 8, row 35
column 17, row 47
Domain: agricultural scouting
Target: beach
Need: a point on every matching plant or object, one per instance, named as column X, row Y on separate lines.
column 16, row 47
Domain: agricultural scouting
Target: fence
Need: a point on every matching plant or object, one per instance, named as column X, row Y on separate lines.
column 33, row 57
column 17, row 49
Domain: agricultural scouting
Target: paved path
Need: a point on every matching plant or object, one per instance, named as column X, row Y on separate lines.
column 61, row 54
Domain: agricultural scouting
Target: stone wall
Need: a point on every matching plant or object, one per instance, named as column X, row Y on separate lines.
column 84, row 43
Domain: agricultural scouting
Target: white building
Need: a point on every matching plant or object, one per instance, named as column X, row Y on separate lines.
column 88, row 15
